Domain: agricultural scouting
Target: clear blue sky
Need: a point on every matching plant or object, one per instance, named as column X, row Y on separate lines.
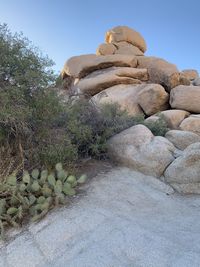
column 64, row 28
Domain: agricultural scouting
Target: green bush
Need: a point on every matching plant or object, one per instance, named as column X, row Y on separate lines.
column 61, row 151
column 89, row 127
column 22, row 65
column 158, row 127
column 27, row 107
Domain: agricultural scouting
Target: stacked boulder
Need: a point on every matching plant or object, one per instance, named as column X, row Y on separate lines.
column 120, row 73
column 122, row 40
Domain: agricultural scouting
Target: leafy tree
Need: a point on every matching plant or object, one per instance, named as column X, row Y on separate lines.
column 25, row 75
column 21, row 64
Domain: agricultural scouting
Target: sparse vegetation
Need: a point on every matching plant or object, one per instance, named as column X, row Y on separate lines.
column 158, row 127
column 90, row 127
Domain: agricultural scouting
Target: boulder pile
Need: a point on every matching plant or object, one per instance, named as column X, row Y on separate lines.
column 144, row 85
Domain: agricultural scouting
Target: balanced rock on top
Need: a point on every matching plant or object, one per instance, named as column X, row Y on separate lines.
column 124, row 33
column 122, row 40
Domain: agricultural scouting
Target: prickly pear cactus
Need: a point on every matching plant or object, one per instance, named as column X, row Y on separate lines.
column 35, row 174
column 51, row 179
column 82, row 179
column 59, row 167
column 71, row 179
column 34, row 194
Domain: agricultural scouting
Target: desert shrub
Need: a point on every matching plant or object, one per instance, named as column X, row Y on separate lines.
column 27, row 108
column 59, row 81
column 53, row 151
column 89, row 127
column 158, row 127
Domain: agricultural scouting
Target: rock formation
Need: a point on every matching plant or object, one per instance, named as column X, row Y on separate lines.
column 117, row 61
column 183, row 173
column 120, row 72
column 190, row 74
column 182, row 139
column 172, row 117
column 138, row 148
column 136, row 99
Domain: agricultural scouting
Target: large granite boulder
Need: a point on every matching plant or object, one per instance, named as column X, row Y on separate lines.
column 196, row 82
column 183, row 172
column 100, row 80
column 106, row 49
column 128, row 49
column 160, row 71
column 124, row 95
column 124, row 33
column 186, row 98
column 149, row 98
column 139, row 149
column 192, row 124
column 190, row 74
column 183, row 79
column 153, row 98
column 189, row 188
column 172, row 117
column 182, row 139
column 152, row 119
column 80, row 66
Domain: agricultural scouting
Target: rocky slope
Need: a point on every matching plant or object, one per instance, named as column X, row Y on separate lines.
column 120, row 72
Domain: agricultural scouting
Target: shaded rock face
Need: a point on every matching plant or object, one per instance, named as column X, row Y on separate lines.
column 183, row 79
column 196, row 82
column 190, row 74
column 153, row 98
column 124, row 95
column 106, row 49
column 80, row 66
column 160, row 71
column 136, row 99
column 100, row 80
column 182, row 139
column 186, row 98
column 185, row 169
column 192, row 124
column 127, row 48
column 173, row 117
column 138, row 148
